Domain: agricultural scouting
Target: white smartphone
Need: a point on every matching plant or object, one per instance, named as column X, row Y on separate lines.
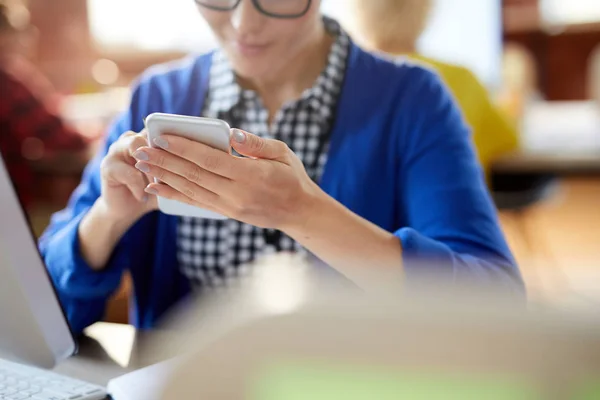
column 212, row 132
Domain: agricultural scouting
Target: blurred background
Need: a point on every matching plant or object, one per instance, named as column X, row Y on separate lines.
column 538, row 59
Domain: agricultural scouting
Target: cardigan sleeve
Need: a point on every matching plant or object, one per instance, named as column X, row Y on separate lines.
column 452, row 222
column 176, row 87
column 82, row 291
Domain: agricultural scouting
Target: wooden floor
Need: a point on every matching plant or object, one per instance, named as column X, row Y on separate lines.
column 557, row 244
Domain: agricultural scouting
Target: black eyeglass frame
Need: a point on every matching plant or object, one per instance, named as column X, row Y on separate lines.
column 256, row 4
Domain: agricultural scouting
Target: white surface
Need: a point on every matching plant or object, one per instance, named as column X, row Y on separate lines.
column 212, row 132
column 570, row 11
column 562, row 127
column 107, row 351
column 149, row 25
column 33, row 328
column 121, row 340
column 17, row 381
column 468, row 33
column 144, row 384
column 103, row 106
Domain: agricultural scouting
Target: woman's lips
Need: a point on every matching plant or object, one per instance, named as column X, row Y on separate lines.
column 250, row 49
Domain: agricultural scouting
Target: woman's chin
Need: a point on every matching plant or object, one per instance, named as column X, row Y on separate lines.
column 254, row 70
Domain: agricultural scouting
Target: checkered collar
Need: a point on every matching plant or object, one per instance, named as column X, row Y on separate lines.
column 225, row 93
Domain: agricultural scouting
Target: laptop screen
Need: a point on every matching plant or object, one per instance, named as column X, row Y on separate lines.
column 31, row 203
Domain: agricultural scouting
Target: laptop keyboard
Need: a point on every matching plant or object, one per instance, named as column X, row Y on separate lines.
column 19, row 382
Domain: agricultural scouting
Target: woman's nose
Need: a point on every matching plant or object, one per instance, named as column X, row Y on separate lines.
column 246, row 19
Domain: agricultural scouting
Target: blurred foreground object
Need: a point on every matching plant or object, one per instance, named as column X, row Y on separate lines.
column 283, row 336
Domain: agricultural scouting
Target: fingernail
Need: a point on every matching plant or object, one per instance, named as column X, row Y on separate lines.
column 150, row 190
column 161, row 142
column 141, row 155
column 238, row 135
column 143, row 167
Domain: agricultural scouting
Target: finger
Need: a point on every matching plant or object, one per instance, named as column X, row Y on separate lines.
column 135, row 142
column 256, row 147
column 152, row 202
column 128, row 133
column 129, row 176
column 206, row 157
column 127, row 144
column 149, row 158
column 143, row 133
column 168, row 192
column 182, row 185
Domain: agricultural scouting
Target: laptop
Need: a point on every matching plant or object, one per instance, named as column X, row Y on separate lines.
column 34, row 333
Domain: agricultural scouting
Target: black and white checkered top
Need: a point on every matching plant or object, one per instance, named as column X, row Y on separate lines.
column 212, row 251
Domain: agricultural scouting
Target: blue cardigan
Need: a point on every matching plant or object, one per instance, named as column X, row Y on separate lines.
column 400, row 156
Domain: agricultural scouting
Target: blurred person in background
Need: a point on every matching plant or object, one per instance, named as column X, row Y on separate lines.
column 362, row 162
column 394, row 27
column 32, row 135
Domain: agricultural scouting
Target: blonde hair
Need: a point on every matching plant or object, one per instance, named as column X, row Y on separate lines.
column 388, row 24
column 14, row 15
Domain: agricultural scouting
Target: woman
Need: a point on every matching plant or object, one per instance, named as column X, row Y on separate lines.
column 394, row 27
column 398, row 180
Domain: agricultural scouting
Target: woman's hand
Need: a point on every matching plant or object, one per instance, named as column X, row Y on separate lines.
column 123, row 185
column 269, row 188
column 122, row 202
